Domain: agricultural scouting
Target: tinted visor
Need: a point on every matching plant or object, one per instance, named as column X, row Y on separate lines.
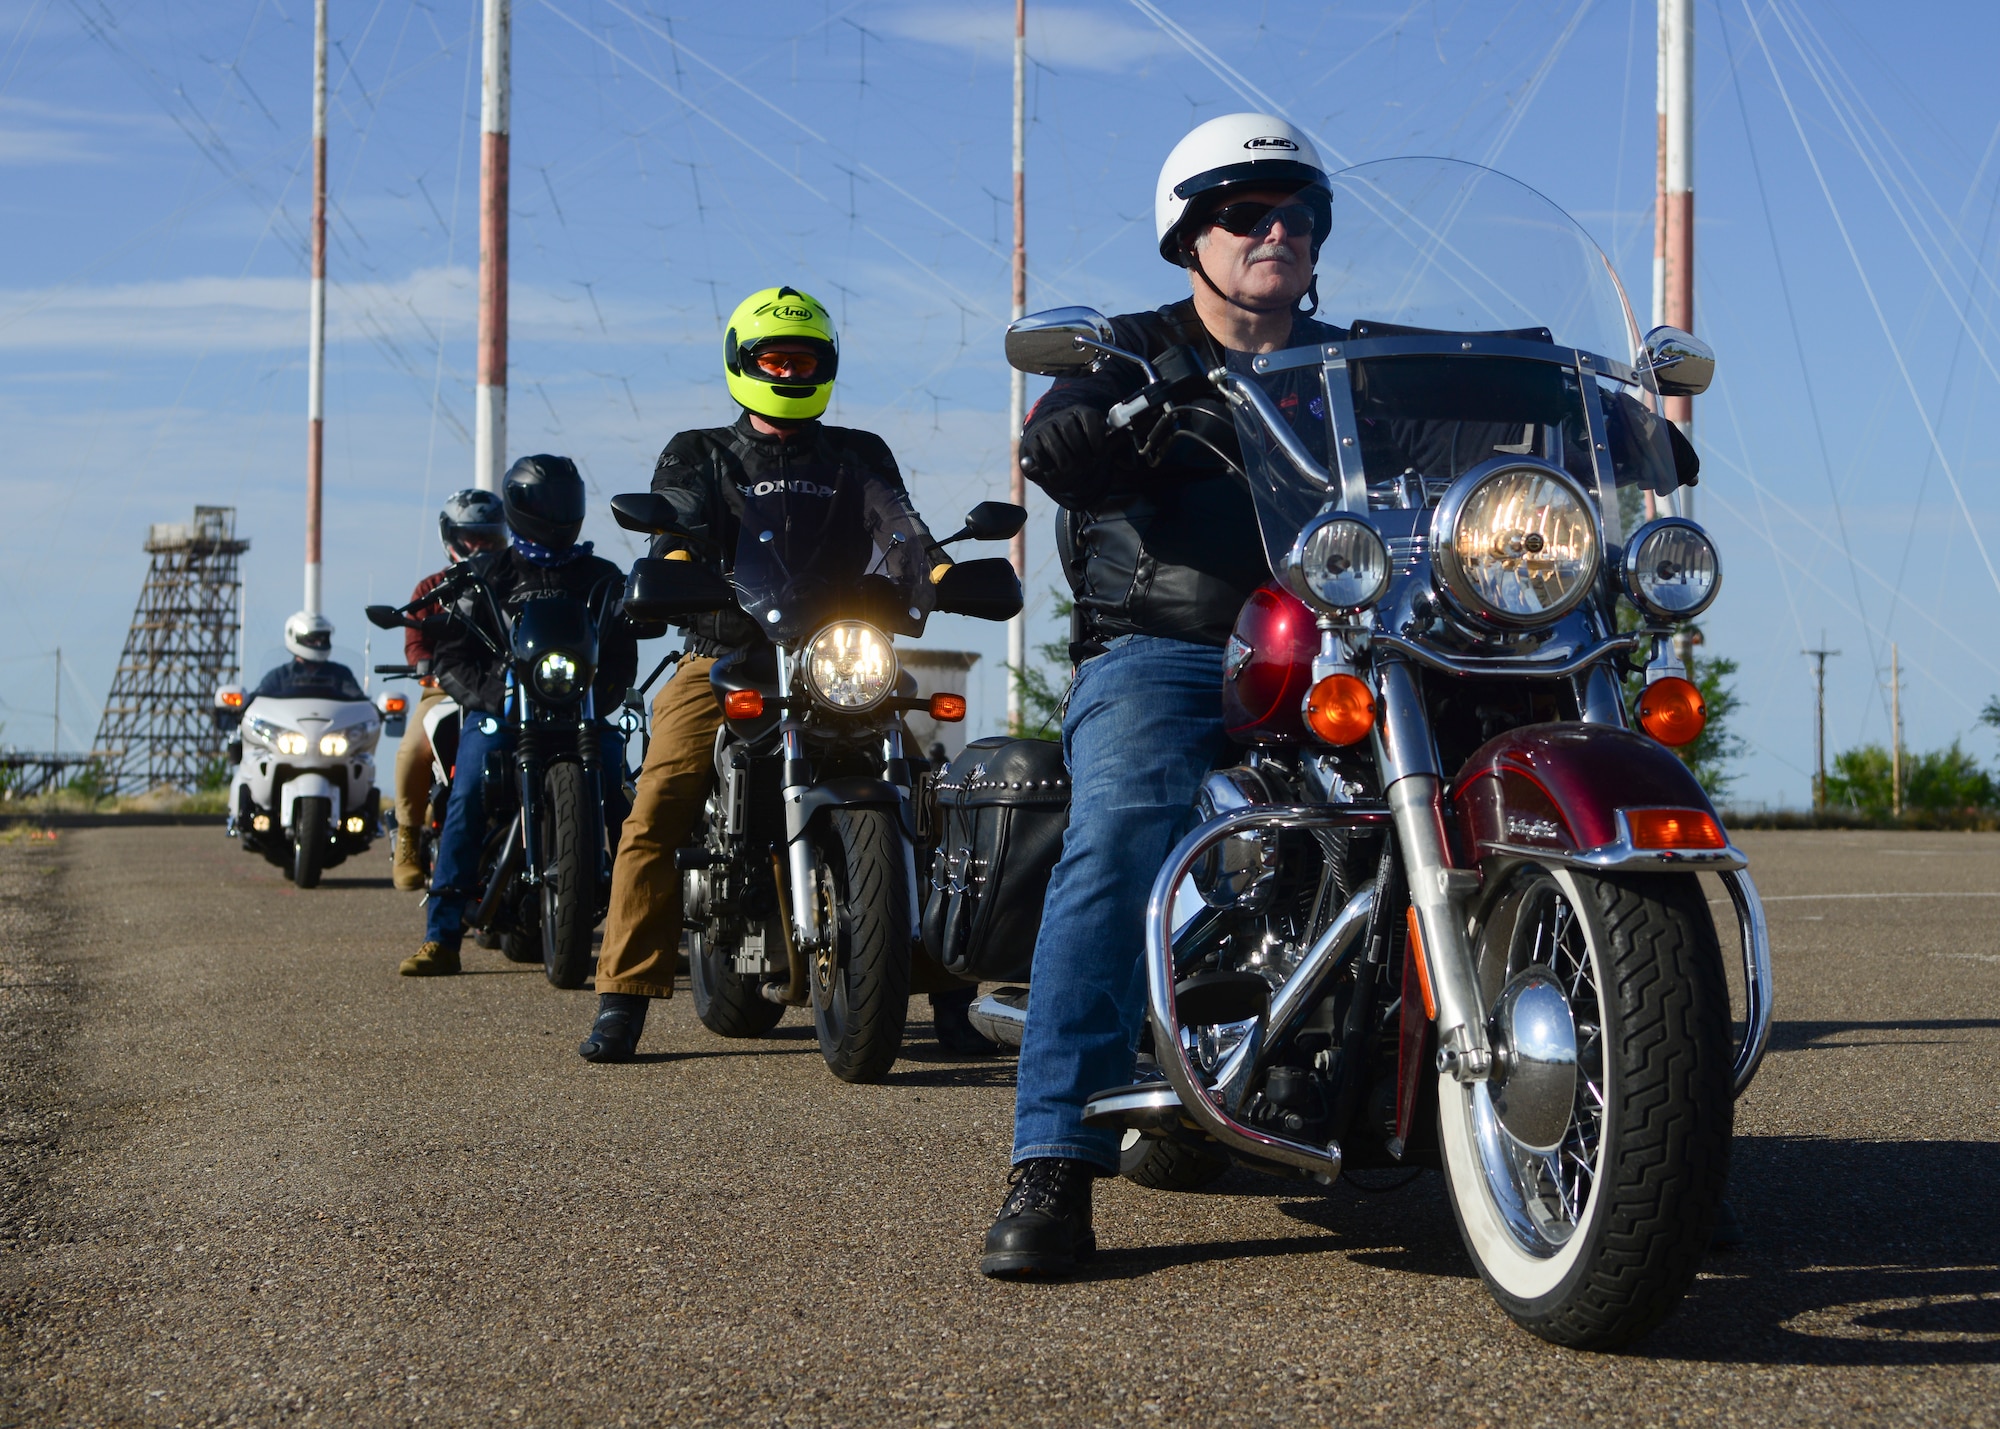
column 799, row 361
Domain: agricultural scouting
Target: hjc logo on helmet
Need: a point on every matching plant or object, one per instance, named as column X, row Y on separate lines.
column 1270, row 141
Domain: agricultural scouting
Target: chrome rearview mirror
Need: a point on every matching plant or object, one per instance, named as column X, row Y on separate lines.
column 1058, row 343
column 1681, row 363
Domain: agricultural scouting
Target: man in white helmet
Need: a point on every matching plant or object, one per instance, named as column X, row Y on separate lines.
column 1161, row 550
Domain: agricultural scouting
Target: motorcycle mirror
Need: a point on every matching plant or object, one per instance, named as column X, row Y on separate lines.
column 229, row 702
column 990, row 521
column 646, row 512
column 386, row 617
column 666, row 590
column 1681, row 363
column 985, row 590
column 1058, row 343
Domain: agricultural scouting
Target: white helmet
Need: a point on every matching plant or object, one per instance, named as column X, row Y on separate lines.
column 309, row 636
column 1237, row 151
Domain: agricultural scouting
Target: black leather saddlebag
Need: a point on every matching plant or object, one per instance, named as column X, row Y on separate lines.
column 1000, row 811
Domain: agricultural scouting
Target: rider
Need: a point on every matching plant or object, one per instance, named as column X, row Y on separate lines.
column 471, row 521
column 1165, row 555
column 543, row 499
column 779, row 461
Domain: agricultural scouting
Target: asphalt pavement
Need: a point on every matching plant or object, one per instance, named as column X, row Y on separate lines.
column 252, row 1176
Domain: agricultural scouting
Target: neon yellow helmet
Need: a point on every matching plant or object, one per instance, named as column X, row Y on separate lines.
column 781, row 353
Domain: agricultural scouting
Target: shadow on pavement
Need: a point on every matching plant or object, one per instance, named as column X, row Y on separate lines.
column 1808, row 1036
column 1859, row 1252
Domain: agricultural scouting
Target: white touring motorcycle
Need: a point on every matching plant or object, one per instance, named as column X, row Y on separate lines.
column 303, row 792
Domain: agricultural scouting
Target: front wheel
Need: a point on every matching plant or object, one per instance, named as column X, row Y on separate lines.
column 1160, row 1164
column 861, row 978
column 310, row 820
column 1587, row 1175
column 569, row 877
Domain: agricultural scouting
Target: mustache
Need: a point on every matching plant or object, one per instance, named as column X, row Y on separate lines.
column 1270, row 250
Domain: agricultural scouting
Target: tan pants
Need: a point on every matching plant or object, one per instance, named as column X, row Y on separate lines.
column 413, row 766
column 642, row 931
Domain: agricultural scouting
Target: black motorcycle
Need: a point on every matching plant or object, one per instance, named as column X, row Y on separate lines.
column 802, row 885
column 545, row 863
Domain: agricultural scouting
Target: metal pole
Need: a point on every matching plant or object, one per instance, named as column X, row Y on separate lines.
column 489, row 422
column 316, row 358
column 1895, row 732
column 56, row 719
column 1017, row 388
column 1818, row 658
column 1673, row 229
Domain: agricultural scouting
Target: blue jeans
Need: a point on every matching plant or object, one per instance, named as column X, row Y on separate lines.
column 455, row 874
column 1144, row 725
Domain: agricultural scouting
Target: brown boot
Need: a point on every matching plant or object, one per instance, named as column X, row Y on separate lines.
column 407, row 873
column 431, row 960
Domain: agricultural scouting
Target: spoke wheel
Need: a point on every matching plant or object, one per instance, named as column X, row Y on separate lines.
column 1587, row 1174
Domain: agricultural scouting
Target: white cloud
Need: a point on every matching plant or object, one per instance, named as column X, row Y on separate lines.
column 1057, row 35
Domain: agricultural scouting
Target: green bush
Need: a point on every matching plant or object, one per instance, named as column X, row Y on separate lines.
column 1940, row 781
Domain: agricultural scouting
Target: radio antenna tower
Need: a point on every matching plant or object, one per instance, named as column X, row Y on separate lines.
column 157, row 728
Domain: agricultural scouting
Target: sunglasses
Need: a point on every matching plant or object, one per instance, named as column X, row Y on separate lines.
column 787, row 366
column 1256, row 220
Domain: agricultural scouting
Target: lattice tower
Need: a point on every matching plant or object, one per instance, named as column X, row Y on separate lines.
column 157, row 728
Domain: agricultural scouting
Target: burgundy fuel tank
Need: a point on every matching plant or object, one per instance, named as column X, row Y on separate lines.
column 1561, row 786
column 1268, row 668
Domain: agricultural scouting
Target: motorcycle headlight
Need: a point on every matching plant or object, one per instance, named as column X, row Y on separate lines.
column 333, row 745
column 1339, row 562
column 851, row 666
column 1671, row 569
column 1516, row 543
column 285, row 741
column 557, row 676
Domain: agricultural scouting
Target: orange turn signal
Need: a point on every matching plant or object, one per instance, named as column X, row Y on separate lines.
column 948, row 709
column 1672, row 711
column 395, row 705
column 743, row 704
column 1674, row 828
column 231, row 699
column 1340, row 710
column 1422, row 966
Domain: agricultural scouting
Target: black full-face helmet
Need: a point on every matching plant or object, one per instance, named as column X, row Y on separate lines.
column 544, row 500
column 472, row 521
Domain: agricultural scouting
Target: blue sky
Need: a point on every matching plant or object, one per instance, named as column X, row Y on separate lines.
column 154, row 187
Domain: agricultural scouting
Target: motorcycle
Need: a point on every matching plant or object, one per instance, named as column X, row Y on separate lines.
column 1445, row 912
column 545, row 863
column 802, row 886
column 302, row 749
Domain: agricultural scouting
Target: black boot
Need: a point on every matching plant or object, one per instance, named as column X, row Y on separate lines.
column 614, row 1036
column 955, row 1032
column 1043, row 1228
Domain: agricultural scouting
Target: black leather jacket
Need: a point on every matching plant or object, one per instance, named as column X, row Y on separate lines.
column 832, row 494
column 1169, row 550
column 476, row 678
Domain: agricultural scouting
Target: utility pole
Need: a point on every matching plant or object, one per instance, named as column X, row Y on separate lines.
column 1673, row 211
column 489, row 420
column 1819, row 657
column 55, row 739
column 1895, row 731
column 316, row 358
column 1017, row 390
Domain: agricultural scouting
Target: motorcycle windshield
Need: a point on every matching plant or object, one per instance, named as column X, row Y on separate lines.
column 1461, row 299
column 791, row 588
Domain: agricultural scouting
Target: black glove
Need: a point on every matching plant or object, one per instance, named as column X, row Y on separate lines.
column 1067, row 447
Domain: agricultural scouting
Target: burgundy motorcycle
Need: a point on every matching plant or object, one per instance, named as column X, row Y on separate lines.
column 1446, row 911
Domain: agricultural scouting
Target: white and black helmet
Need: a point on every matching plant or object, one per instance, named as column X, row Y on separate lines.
column 309, row 636
column 1235, row 152
column 472, row 521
